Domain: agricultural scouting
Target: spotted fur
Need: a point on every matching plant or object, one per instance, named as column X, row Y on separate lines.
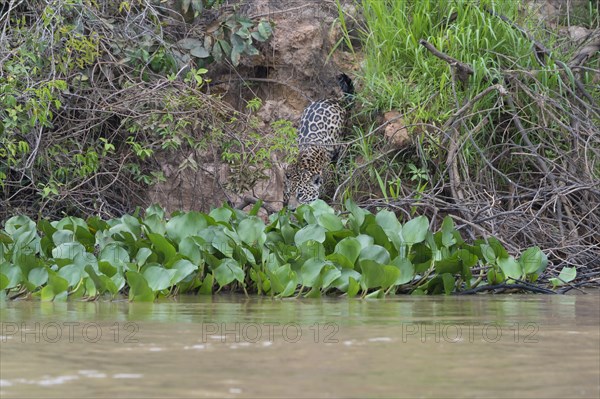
column 305, row 177
column 319, row 135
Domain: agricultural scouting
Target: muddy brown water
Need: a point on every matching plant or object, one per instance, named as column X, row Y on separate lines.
column 479, row 346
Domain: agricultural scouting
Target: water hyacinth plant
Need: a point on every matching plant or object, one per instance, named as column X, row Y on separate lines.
column 311, row 252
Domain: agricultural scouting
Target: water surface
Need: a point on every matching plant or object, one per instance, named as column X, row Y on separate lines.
column 229, row 346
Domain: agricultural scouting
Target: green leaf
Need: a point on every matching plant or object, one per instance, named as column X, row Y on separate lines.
column 158, row 278
column 4, row 282
column 311, row 270
column 448, row 230
column 183, row 268
column 13, row 273
column 379, row 235
column 353, row 287
column 488, row 253
column 510, row 267
column 378, row 294
column 4, row 239
column 207, row 284
column 228, row 271
column 376, row 253
column 72, row 273
column 388, row 221
column 156, row 209
column 140, row 258
column 330, row 222
column 114, row 253
column 358, row 214
column 467, row 258
column 414, row 231
column 329, row 274
column 38, row 276
column 191, row 248
column 531, row 260
column 139, row 290
column 376, row 275
column 243, row 32
column 222, row 214
column 365, row 240
column 407, row 270
column 343, row 281
column 68, row 250
column 350, row 248
column 340, row 260
column 235, row 56
column 222, row 243
column 200, row 52
column 498, row 248
column 310, row 232
column 251, row 231
column 55, row 288
column 450, row 264
column 265, row 30
column 163, row 247
column 62, row 236
column 566, row 275
column 99, row 283
column 19, row 224
column 185, row 5
column 155, row 224
column 449, row 283
column 186, row 225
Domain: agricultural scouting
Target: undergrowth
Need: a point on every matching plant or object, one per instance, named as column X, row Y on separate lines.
column 504, row 132
column 94, row 94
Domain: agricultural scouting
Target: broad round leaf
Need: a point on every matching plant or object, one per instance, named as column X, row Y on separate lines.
column 68, row 250
column 158, row 278
column 72, row 273
column 251, row 230
column 310, row 232
column 138, row 287
column 531, row 260
column 414, row 231
column 183, row 268
column 330, row 222
column 185, row 225
column 510, row 267
column 228, row 271
column 376, row 253
column 350, row 247
column 311, row 270
column 38, row 276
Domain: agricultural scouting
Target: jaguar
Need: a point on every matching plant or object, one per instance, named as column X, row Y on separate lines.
column 322, row 121
column 304, row 178
column 319, row 134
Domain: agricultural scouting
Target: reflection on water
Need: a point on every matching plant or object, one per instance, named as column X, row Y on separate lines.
column 494, row 346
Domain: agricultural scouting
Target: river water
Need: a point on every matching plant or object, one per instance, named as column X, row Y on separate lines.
column 511, row 346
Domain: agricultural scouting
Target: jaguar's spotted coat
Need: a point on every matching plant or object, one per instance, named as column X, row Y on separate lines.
column 319, row 134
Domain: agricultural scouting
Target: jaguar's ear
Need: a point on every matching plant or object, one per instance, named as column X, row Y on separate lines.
column 317, row 180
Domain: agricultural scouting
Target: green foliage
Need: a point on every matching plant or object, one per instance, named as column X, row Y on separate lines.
column 313, row 248
column 92, row 92
column 566, row 275
column 228, row 38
